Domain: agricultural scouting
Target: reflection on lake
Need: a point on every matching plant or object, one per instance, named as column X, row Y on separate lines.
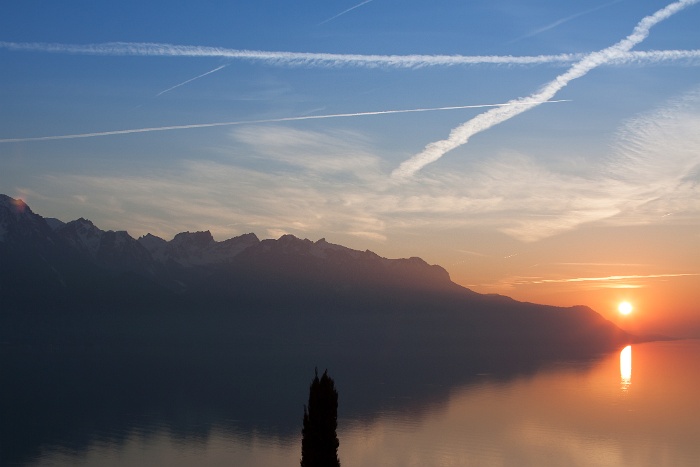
column 626, row 367
column 560, row 417
column 571, row 414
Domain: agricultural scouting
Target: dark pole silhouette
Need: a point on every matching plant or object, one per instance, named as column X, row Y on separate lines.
column 319, row 442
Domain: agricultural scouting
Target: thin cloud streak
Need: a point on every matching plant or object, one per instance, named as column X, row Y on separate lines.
column 610, row 278
column 563, row 20
column 343, row 12
column 460, row 135
column 142, row 49
column 191, row 79
column 600, row 264
column 251, row 122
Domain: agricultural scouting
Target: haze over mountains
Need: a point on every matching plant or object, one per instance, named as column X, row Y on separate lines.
column 73, row 282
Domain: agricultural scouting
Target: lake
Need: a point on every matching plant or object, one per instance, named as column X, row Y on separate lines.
column 633, row 407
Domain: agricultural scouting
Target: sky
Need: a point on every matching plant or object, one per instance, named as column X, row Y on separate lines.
column 545, row 150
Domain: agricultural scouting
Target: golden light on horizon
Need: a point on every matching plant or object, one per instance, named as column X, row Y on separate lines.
column 625, row 308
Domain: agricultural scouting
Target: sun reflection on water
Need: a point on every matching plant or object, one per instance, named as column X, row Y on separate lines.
column 626, row 368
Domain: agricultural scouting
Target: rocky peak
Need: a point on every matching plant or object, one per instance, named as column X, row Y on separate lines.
column 231, row 247
column 248, row 238
column 82, row 234
column 291, row 240
column 200, row 239
column 155, row 245
column 14, row 209
column 197, row 248
column 14, row 206
column 150, row 239
column 18, row 220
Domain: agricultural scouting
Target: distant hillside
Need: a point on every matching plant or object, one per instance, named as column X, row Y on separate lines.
column 74, row 283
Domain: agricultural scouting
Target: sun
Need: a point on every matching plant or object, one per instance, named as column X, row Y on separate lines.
column 625, row 308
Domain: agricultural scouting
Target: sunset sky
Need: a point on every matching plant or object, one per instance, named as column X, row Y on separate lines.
column 247, row 119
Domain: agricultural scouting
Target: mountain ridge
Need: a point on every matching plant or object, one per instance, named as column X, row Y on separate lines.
column 59, row 273
column 148, row 255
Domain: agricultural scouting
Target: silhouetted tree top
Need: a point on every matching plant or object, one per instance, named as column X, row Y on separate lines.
column 319, row 443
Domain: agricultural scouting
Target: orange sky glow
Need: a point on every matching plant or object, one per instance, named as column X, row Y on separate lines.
column 649, row 267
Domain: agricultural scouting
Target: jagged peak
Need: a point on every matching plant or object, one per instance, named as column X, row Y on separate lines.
column 16, row 206
column 416, row 260
column 150, row 237
column 322, row 248
column 81, row 221
column 243, row 240
column 6, row 201
column 10, row 201
column 202, row 237
column 246, row 237
column 291, row 238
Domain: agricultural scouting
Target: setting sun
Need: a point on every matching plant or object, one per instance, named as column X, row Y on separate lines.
column 625, row 308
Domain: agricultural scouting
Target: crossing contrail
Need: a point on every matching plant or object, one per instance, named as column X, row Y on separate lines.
column 343, row 12
column 326, row 60
column 460, row 135
column 190, row 80
column 251, row 122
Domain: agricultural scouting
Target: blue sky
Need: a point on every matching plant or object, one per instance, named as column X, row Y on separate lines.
column 536, row 188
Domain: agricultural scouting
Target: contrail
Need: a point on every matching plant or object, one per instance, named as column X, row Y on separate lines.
column 610, row 278
column 191, row 79
column 460, row 135
column 563, row 20
column 343, row 12
column 321, row 60
column 251, row 122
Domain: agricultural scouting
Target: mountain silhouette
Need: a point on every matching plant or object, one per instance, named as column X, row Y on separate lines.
column 73, row 282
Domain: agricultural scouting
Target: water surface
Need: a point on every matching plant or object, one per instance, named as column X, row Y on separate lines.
column 633, row 407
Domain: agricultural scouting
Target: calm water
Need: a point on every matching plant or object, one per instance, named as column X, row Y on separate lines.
column 638, row 407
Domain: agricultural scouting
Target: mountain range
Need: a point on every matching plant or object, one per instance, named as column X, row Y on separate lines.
column 65, row 283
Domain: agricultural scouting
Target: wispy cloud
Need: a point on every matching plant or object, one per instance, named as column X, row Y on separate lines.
column 653, row 168
column 323, row 189
column 655, row 165
column 600, row 264
column 343, row 12
column 314, row 183
column 313, row 152
column 309, row 59
column 561, row 21
column 190, row 80
column 250, row 122
column 460, row 135
column 473, row 253
column 609, row 278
